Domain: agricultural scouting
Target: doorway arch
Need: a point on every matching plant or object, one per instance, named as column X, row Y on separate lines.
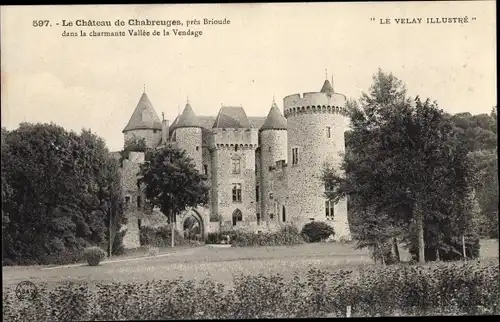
column 193, row 226
column 237, row 216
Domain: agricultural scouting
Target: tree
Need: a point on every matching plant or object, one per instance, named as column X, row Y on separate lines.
column 53, row 180
column 172, row 182
column 401, row 164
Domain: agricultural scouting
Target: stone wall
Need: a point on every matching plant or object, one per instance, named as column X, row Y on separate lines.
column 151, row 137
column 273, row 148
column 307, row 131
column 190, row 140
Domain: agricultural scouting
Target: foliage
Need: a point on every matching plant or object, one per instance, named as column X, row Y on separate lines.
column 172, row 182
column 444, row 289
column 317, row 231
column 55, row 188
column 159, row 237
column 404, row 172
column 94, row 255
column 288, row 235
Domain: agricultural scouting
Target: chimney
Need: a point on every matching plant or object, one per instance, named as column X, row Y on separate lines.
column 164, row 131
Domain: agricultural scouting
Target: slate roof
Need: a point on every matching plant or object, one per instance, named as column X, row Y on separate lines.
column 186, row 119
column 206, row 122
column 274, row 120
column 327, row 87
column 231, row 117
column 144, row 116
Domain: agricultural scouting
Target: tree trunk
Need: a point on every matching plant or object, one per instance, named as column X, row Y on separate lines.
column 421, row 242
column 396, row 249
column 173, row 228
column 463, row 247
column 438, row 258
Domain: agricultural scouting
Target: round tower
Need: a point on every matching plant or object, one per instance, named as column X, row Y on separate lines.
column 316, row 125
column 273, row 142
column 187, row 134
column 144, row 124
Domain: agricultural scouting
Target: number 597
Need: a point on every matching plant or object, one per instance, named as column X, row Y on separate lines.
column 40, row 23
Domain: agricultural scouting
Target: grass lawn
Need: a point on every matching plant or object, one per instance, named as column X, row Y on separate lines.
column 219, row 264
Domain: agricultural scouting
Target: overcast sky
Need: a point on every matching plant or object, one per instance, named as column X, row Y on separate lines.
column 267, row 50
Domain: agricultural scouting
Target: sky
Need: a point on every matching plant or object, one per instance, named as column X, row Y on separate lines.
column 267, row 50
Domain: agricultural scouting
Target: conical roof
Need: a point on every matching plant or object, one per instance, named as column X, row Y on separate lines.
column 232, row 117
column 275, row 120
column 187, row 118
column 327, row 87
column 144, row 117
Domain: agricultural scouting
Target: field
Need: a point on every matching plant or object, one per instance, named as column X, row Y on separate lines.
column 219, row 264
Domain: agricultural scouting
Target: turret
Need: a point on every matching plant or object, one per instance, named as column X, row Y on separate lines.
column 144, row 124
column 273, row 143
column 188, row 135
column 315, row 136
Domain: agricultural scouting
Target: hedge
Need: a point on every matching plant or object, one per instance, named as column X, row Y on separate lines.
column 287, row 235
column 439, row 288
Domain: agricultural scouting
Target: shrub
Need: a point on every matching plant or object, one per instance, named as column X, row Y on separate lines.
column 159, row 236
column 467, row 288
column 317, row 231
column 94, row 255
column 288, row 235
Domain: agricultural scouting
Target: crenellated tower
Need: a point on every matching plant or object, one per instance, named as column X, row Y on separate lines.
column 316, row 128
column 273, row 148
column 187, row 133
column 144, row 124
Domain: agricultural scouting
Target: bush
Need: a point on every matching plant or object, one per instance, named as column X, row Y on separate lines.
column 317, row 231
column 94, row 255
column 459, row 288
column 288, row 235
column 159, row 237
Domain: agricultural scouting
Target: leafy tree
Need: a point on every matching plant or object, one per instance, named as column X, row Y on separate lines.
column 52, row 179
column 401, row 165
column 172, row 182
column 317, row 231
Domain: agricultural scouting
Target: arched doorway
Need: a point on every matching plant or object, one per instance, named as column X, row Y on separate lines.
column 237, row 216
column 192, row 226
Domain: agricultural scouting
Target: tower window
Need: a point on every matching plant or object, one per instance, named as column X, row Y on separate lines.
column 269, row 149
column 205, row 169
column 295, row 155
column 271, row 216
column 139, row 223
column 236, row 192
column 284, row 214
column 329, row 210
column 236, row 166
column 197, row 148
column 258, row 219
column 257, row 193
column 127, row 201
column 139, row 201
column 328, row 132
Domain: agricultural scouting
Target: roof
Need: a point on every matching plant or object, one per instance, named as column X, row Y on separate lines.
column 274, row 120
column 206, row 122
column 231, row 117
column 327, row 87
column 144, row 116
column 186, row 119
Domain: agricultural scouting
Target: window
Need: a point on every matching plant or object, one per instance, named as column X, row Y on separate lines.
column 328, row 132
column 236, row 192
column 127, row 201
column 236, row 166
column 197, row 148
column 236, row 148
column 271, row 216
column 295, row 155
column 139, row 201
column 258, row 219
column 257, row 193
column 284, row 214
column 237, row 216
column 139, row 223
column 205, row 169
column 329, row 209
column 269, row 149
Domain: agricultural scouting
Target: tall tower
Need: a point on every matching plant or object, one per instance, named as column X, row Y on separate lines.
column 315, row 136
column 144, row 124
column 273, row 143
column 188, row 135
